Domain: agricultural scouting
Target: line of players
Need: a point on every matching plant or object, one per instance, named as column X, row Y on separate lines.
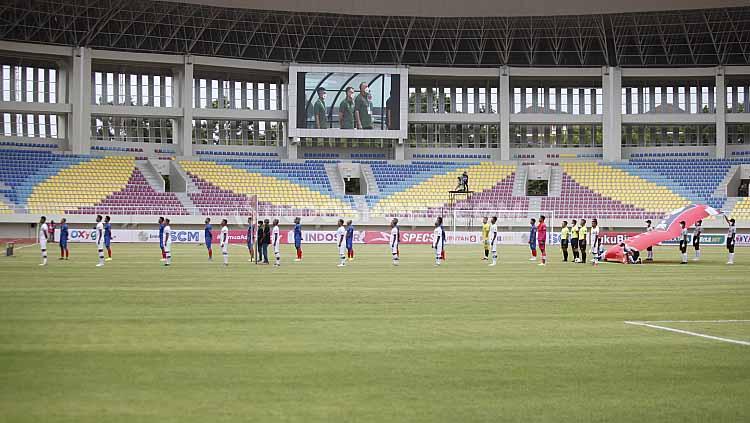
column 576, row 236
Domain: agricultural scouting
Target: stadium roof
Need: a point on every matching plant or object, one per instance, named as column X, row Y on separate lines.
column 565, row 37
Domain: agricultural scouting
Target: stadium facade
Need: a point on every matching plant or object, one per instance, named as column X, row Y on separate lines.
column 546, row 96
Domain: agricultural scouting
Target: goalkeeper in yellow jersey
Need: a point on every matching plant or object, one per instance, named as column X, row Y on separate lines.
column 486, row 237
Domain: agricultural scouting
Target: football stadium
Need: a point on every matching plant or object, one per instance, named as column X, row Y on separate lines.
column 394, row 211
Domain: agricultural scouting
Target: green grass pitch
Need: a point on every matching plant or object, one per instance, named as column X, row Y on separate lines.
column 309, row 342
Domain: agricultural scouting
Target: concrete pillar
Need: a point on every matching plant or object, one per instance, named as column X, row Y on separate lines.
column 399, row 149
column 721, row 105
column 79, row 97
column 612, row 119
column 504, row 108
column 63, row 77
column 183, row 98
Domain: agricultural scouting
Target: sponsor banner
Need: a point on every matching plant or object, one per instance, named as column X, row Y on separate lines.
column 133, row 235
column 615, row 238
column 741, row 239
column 706, row 239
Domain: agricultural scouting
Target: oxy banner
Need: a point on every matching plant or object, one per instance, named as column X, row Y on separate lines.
column 133, row 235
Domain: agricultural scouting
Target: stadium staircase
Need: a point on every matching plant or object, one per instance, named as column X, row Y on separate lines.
column 153, row 177
column 555, row 182
column 519, row 184
column 367, row 174
column 334, row 177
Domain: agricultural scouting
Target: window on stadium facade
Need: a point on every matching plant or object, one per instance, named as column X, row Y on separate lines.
column 132, row 88
column 346, row 142
column 738, row 96
column 132, row 129
column 556, row 99
column 29, row 125
column 470, row 97
column 454, row 135
column 738, row 133
column 555, row 135
column 225, row 93
column 668, row 135
column 693, row 97
column 237, row 132
column 28, row 84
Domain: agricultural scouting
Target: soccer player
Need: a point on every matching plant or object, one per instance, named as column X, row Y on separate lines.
column 438, row 241
column 341, row 242
column 43, row 238
column 582, row 234
column 266, row 239
column 445, row 238
column 276, row 243
column 541, row 236
column 493, row 240
column 595, row 242
column 64, row 252
column 224, row 241
column 161, row 238
column 350, row 240
column 731, row 234
column 697, row 239
column 100, row 238
column 298, row 238
column 630, row 254
column 167, row 242
column 683, row 242
column 249, row 241
column 564, row 238
column 649, row 250
column 574, row 240
column 486, row 237
column 108, row 238
column 259, row 243
column 319, row 110
column 395, row 240
column 532, row 240
column 209, row 237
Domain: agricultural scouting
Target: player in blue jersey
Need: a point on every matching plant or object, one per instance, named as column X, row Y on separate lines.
column 532, row 240
column 108, row 237
column 350, row 240
column 250, row 237
column 298, row 238
column 208, row 235
column 161, row 238
column 64, row 253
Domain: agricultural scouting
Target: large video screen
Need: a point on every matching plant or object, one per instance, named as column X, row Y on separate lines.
column 358, row 101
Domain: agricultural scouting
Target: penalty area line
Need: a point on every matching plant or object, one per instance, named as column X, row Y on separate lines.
column 687, row 332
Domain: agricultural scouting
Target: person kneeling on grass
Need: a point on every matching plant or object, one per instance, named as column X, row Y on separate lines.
column 630, row 255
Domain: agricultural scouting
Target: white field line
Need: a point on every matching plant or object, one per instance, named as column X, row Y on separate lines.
column 686, row 332
column 696, row 321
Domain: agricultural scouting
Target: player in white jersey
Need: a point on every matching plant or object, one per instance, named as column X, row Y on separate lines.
column 43, row 238
column 395, row 240
column 100, row 240
column 683, row 242
column 437, row 240
column 224, row 241
column 276, row 240
column 494, row 240
column 731, row 234
column 167, row 242
column 341, row 243
column 697, row 231
column 649, row 250
column 596, row 242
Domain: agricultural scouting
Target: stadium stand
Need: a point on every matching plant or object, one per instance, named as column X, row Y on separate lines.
column 276, row 184
column 431, row 192
column 741, row 210
column 623, row 187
